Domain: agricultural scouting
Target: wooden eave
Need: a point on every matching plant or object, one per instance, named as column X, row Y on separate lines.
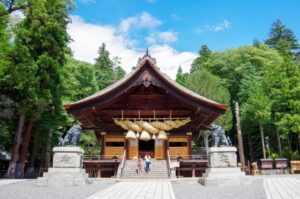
column 90, row 110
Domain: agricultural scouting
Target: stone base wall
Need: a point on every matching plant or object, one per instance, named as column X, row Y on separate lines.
column 223, row 170
column 67, row 168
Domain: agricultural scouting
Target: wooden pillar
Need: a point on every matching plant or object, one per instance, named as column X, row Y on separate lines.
column 102, row 145
column 240, row 136
column 189, row 134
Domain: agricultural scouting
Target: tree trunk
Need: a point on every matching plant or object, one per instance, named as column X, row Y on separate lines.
column 48, row 150
column 30, row 173
column 262, row 137
column 239, row 134
column 298, row 147
column 250, row 147
column 278, row 142
column 24, row 152
column 12, row 165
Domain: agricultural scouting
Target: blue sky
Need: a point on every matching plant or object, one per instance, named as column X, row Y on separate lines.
column 180, row 26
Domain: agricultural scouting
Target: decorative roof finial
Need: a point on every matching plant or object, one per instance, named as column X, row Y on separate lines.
column 147, row 52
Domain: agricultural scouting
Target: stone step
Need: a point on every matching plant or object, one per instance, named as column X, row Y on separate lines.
column 145, row 177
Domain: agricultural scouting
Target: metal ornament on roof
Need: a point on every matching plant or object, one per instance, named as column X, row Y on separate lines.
column 146, row 126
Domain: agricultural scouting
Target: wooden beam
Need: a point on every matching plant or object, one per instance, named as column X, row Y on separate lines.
column 147, row 113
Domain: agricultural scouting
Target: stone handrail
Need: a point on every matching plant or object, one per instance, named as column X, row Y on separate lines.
column 122, row 165
column 168, row 163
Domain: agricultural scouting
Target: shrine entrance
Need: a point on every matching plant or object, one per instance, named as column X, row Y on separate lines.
column 146, row 147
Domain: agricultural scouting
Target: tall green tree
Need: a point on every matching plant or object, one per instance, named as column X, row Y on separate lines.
column 257, row 109
column 181, row 77
column 40, row 47
column 232, row 65
column 104, row 71
column 118, row 71
column 208, row 85
column 278, row 33
column 204, row 54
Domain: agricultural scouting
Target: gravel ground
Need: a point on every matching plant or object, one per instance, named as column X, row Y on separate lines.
column 28, row 190
column 191, row 190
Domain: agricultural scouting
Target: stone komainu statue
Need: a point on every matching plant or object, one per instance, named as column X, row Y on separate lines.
column 73, row 136
column 219, row 137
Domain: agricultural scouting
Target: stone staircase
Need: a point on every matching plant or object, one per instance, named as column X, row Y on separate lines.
column 158, row 170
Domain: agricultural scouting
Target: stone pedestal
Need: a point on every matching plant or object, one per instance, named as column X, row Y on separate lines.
column 223, row 170
column 67, row 168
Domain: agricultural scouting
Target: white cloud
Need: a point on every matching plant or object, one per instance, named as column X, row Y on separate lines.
column 161, row 37
column 87, row 38
column 216, row 28
column 144, row 20
column 221, row 26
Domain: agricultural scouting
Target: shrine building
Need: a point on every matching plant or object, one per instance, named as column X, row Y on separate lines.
column 146, row 112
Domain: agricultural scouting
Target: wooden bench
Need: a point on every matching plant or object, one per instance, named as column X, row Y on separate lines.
column 295, row 166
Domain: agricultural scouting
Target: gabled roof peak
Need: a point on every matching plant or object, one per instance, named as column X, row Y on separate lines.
column 146, row 57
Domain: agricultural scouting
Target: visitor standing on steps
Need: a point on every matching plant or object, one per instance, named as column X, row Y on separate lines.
column 148, row 162
column 139, row 164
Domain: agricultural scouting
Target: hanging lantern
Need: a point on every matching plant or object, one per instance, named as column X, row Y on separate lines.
column 145, row 136
column 162, row 135
column 137, row 134
column 153, row 136
column 130, row 135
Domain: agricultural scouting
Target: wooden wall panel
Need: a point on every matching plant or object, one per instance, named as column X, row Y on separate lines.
column 110, row 151
column 133, row 149
column 174, row 151
column 181, row 150
column 159, row 149
column 115, row 139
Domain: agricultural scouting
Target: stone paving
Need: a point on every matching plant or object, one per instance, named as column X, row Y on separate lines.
column 9, row 181
column 282, row 188
column 140, row 190
column 263, row 187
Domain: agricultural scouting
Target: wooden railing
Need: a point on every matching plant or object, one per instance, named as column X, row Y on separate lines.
column 95, row 165
column 168, row 163
column 101, row 157
column 188, row 157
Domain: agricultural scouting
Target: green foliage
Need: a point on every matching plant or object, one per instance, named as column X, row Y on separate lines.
column 257, row 108
column 279, row 32
column 282, row 81
column 118, row 71
column 181, row 77
column 89, row 142
column 78, row 80
column 204, row 54
column 107, row 71
column 232, row 65
column 103, row 68
column 208, row 85
column 7, row 113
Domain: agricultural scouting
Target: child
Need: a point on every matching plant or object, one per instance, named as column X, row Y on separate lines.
column 139, row 164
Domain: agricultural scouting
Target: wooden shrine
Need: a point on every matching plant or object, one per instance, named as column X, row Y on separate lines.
column 148, row 95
